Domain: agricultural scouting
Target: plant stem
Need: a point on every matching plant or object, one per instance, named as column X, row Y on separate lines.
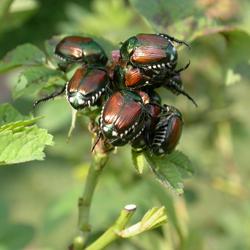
column 95, row 169
column 4, row 8
column 100, row 153
column 85, row 201
column 113, row 232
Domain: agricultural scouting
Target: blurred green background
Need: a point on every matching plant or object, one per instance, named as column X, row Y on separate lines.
column 38, row 200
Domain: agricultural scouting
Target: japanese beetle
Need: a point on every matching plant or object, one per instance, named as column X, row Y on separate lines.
column 167, row 131
column 122, row 117
column 151, row 51
column 84, row 89
column 86, row 86
column 77, row 49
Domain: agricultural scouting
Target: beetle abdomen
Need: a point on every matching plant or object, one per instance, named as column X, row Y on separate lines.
column 167, row 132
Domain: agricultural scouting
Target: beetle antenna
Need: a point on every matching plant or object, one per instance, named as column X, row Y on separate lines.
column 173, row 39
column 49, row 97
column 96, row 141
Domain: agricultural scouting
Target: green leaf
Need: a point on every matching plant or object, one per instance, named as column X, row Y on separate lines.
column 20, row 140
column 19, row 125
column 23, row 145
column 238, row 49
column 182, row 19
column 170, row 169
column 59, row 210
column 16, row 236
column 4, row 7
column 232, row 78
column 162, row 13
column 34, row 79
column 9, row 114
column 4, row 214
column 23, row 55
column 154, row 218
column 237, row 56
column 11, row 119
column 111, row 19
column 167, row 199
column 50, row 46
column 18, row 13
column 138, row 160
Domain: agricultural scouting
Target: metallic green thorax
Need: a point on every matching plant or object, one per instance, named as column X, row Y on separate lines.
column 171, row 53
column 94, row 53
column 119, row 77
column 129, row 95
column 128, row 47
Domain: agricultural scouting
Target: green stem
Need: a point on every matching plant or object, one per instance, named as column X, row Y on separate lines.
column 113, row 232
column 98, row 162
column 4, row 8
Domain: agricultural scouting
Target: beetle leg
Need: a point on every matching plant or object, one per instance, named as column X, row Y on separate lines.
column 159, row 76
column 149, row 132
column 183, row 68
column 51, row 96
column 109, row 89
column 108, row 146
column 64, row 66
column 174, row 87
column 171, row 38
column 167, row 109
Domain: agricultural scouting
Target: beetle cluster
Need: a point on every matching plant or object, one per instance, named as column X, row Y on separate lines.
column 131, row 110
